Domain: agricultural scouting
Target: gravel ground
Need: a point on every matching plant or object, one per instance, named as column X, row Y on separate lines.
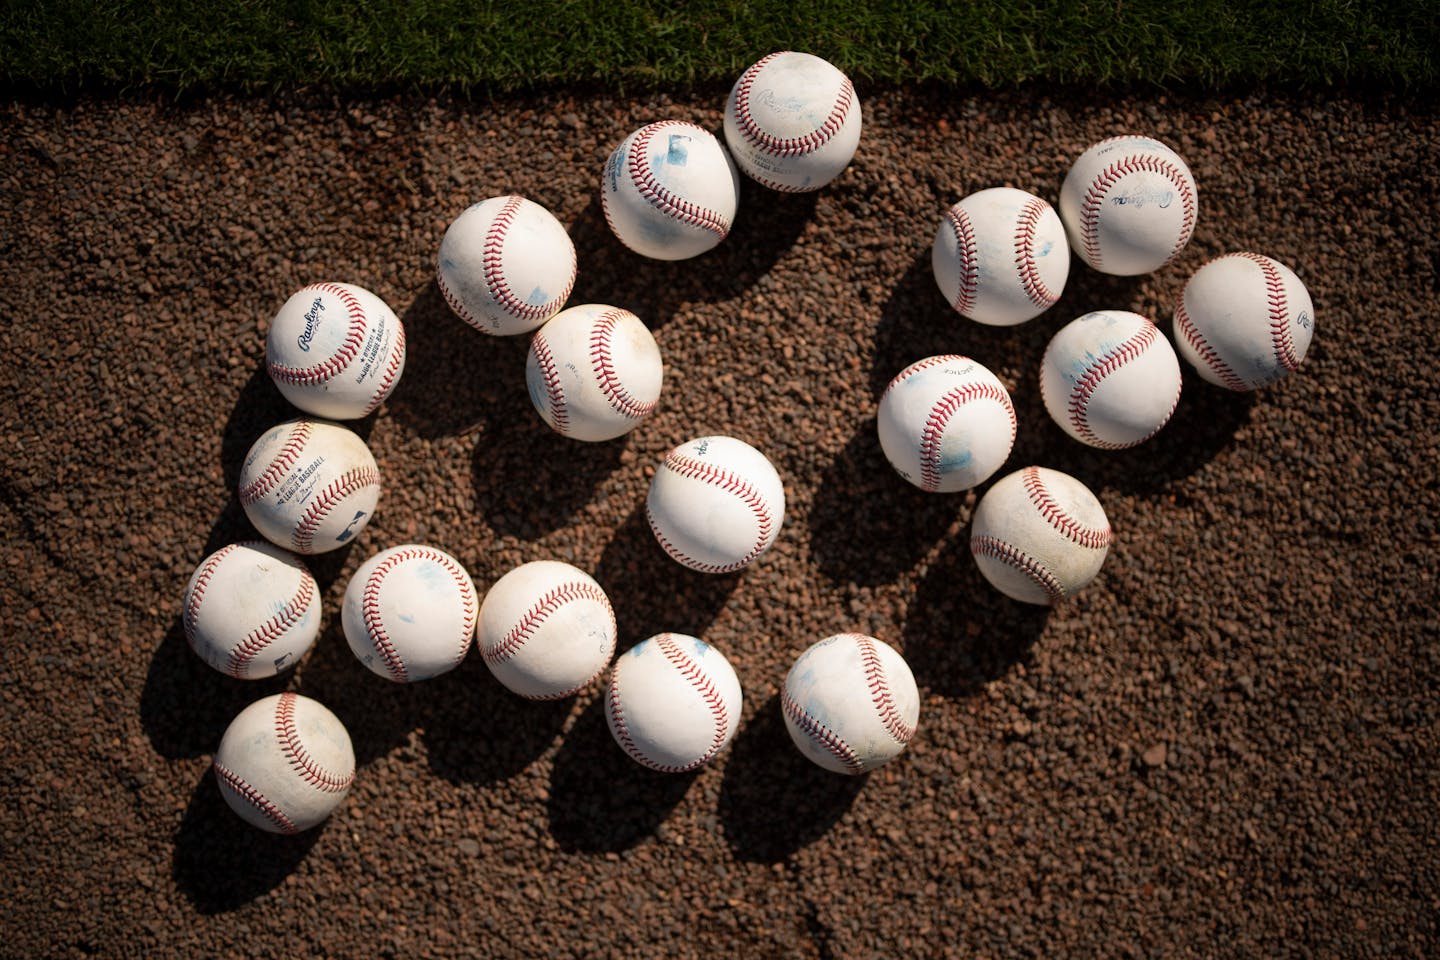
column 1224, row 747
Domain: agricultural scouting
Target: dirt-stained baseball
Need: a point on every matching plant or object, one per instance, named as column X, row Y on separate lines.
column 946, row 423
column 1000, row 256
column 251, row 610
column 715, row 504
column 1129, row 205
column 851, row 703
column 546, row 630
column 792, row 121
column 409, row 613
column 309, row 485
column 335, row 350
column 285, row 763
column 1039, row 535
column 673, row 702
column 1244, row 321
column 506, row 265
column 1110, row 379
column 594, row 372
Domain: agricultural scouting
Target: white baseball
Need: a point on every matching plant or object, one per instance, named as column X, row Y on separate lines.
column 673, row 702
column 715, row 504
column 946, row 423
column 1039, row 535
column 1244, row 321
column 792, row 121
column 594, row 372
column 309, row 485
column 1129, row 205
column 546, row 630
column 251, row 610
column 670, row 191
column 1110, row 379
column 285, row 763
column 850, row 703
column 335, row 350
column 506, row 265
column 409, row 613
column 1000, row 256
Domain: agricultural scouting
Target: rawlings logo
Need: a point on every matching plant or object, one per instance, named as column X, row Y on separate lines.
column 312, row 321
column 1161, row 198
column 775, row 102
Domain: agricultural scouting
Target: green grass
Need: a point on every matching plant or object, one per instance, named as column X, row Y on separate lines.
column 61, row 45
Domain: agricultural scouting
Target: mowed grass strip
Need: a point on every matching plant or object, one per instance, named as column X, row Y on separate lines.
column 59, row 45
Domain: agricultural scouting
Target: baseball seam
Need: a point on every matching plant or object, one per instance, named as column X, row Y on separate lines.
column 655, row 194
column 279, row 466
column 375, row 623
column 337, row 362
column 492, row 259
column 392, row 370
column 315, row 513
column 794, row 146
column 1106, row 179
column 602, row 358
column 1104, row 365
column 714, row 476
column 197, row 591
column 255, row 799
column 1207, row 354
column 457, row 304
column 1096, row 538
column 1008, row 554
column 705, row 687
column 533, row 618
column 1029, row 271
column 273, row 629
column 933, row 433
column 298, row 757
column 550, row 373
column 821, row 735
column 1279, row 312
column 966, row 251
column 879, row 685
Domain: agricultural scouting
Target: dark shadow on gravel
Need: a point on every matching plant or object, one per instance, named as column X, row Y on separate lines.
column 221, row 863
column 600, row 799
column 773, row 801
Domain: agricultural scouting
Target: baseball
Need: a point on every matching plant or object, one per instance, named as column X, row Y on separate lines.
column 946, row 423
column 1110, row 379
column 1000, row 256
column 1039, row 535
column 673, row 702
column 850, row 703
column 1129, row 205
column 409, row 613
column 506, row 265
column 546, row 630
column 285, row 763
column 335, row 350
column 309, row 485
column 251, row 610
column 792, row 121
column 715, row 504
column 670, row 191
column 1244, row 321
column 594, row 372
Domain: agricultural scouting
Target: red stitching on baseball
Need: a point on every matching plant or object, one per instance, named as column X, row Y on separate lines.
column 1107, row 178
column 618, row 726
column 641, row 174
column 375, row 623
column 1103, row 366
column 964, row 232
column 456, row 304
column 820, row 734
column 531, row 619
column 340, row 359
column 284, row 460
column 933, row 434
column 550, row 373
column 492, row 259
column 298, row 757
column 704, row 686
column 1039, row 294
column 271, row 630
column 794, row 146
column 1207, row 354
column 346, row 484
column 1279, row 311
column 256, row 799
column 708, row 473
column 392, row 370
column 1096, row 538
column 601, row 340
column 202, row 580
column 879, row 685
column 997, row 549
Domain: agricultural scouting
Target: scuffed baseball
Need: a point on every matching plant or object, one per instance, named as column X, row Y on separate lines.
column 546, row 630
column 946, row 423
column 1129, row 205
column 715, row 504
column 1244, row 321
column 335, row 350
column 251, row 610
column 309, row 485
column 850, row 703
column 285, row 763
column 506, row 265
column 1039, row 535
column 409, row 613
column 594, row 372
column 792, row 121
column 673, row 702
column 1110, row 379
column 669, row 191
column 1000, row 256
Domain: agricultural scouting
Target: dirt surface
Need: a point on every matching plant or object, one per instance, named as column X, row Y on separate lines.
column 1225, row 746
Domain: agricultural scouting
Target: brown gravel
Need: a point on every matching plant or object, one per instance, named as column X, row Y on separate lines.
column 1225, row 746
